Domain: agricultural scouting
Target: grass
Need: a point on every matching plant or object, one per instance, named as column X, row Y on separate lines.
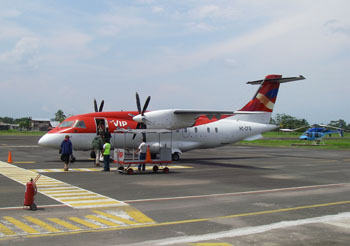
column 21, row 133
column 287, row 139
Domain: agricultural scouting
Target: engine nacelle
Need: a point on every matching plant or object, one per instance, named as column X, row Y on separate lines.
column 165, row 119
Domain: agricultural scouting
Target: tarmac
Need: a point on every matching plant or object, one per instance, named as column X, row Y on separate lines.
column 232, row 195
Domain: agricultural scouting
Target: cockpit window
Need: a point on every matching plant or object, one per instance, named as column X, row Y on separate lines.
column 66, row 124
column 80, row 124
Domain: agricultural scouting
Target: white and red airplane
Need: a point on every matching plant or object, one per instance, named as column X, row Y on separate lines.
column 181, row 130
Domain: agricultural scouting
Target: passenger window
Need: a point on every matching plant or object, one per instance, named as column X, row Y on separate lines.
column 208, row 129
column 195, row 129
column 216, row 130
column 185, row 129
column 80, row 124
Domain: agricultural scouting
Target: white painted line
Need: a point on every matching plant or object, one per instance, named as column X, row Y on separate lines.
column 239, row 193
column 247, row 230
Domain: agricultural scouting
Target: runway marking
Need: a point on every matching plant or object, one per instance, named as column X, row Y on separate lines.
column 238, row 193
column 125, row 216
column 41, row 224
column 53, row 188
column 95, row 169
column 148, row 225
column 236, row 232
column 65, row 224
column 84, row 222
column 24, row 162
column 24, row 227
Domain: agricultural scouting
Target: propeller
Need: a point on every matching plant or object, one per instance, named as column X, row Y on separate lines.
column 141, row 125
column 101, row 106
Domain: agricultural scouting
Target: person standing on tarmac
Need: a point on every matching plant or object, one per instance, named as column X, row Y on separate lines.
column 66, row 151
column 106, row 151
column 97, row 144
column 142, row 156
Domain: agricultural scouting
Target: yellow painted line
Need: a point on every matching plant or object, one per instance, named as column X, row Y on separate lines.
column 84, row 222
column 20, row 225
column 24, row 162
column 103, row 221
column 6, row 231
column 115, row 217
column 85, row 199
column 51, row 193
column 64, row 224
column 41, row 224
column 137, row 215
column 95, row 203
column 187, row 221
column 87, row 194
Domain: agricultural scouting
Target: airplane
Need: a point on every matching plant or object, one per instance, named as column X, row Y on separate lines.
column 316, row 133
column 180, row 129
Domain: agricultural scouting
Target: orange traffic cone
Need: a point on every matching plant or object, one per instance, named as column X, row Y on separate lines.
column 148, row 155
column 9, row 159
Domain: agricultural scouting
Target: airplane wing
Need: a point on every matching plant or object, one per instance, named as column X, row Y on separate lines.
column 196, row 113
column 137, row 131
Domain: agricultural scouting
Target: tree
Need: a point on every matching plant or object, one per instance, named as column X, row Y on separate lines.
column 25, row 123
column 289, row 122
column 60, row 116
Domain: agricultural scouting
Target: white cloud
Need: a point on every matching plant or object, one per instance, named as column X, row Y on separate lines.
column 24, row 55
column 157, row 9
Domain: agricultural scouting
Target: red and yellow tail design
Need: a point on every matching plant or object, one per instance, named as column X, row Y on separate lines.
column 265, row 98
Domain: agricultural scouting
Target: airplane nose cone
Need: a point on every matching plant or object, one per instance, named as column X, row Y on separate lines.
column 43, row 140
column 50, row 140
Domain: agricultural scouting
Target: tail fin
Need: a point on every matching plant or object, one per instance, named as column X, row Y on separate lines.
column 260, row 108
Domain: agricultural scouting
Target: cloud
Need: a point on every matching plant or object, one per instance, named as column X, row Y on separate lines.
column 157, row 9
column 335, row 26
column 24, row 55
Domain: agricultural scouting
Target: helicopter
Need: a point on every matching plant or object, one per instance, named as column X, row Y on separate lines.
column 317, row 132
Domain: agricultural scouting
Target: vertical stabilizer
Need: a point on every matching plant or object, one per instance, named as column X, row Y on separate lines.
column 260, row 108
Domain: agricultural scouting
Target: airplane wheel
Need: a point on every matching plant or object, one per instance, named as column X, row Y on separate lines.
column 166, row 170
column 155, row 169
column 130, row 171
column 176, row 156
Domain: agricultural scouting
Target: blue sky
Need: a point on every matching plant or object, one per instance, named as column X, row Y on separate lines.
column 184, row 54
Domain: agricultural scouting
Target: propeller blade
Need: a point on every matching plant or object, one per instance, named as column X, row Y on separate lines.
column 95, row 104
column 146, row 105
column 101, row 106
column 138, row 103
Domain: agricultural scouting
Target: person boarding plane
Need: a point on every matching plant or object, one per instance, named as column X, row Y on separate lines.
column 189, row 129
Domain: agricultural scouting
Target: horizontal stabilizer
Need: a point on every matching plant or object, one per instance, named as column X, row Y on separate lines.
column 276, row 80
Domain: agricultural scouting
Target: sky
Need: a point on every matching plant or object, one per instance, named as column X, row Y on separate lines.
column 186, row 54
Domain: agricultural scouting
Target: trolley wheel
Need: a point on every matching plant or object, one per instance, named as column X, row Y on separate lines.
column 130, row 171
column 176, row 156
column 166, row 170
column 155, row 169
column 120, row 169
